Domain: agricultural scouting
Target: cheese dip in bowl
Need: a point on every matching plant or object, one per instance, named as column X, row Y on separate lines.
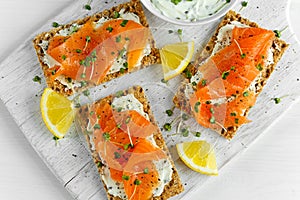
column 189, row 12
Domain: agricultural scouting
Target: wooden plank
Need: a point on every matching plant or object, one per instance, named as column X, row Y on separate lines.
column 70, row 160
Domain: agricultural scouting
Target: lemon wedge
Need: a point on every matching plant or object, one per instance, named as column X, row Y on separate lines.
column 57, row 112
column 175, row 58
column 199, row 156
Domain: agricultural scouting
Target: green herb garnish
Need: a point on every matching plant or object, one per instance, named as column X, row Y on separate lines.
column 212, row 120
column 63, row 57
column 137, row 182
column 175, row 1
column 37, row 79
column 196, row 106
column 55, row 24
column 185, row 117
column 117, row 155
column 116, row 15
column 167, row 126
column 236, row 120
column 277, row 100
column 198, row 134
column 203, row 82
column 106, row 136
column 126, row 178
column 146, row 170
column 109, row 29
column 97, row 126
column 86, row 92
column 243, row 55
column 185, row 132
column 259, row 67
column 124, row 22
column 169, row 112
column 225, row 75
column 246, row 94
column 78, row 50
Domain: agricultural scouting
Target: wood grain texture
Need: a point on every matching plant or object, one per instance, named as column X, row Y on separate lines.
column 77, row 174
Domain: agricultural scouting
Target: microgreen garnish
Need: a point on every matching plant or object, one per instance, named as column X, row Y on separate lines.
column 197, row 134
column 97, row 126
column 63, row 57
column 212, row 111
column 194, row 83
column 88, row 5
column 175, row 1
column 126, row 178
column 116, row 15
column 246, row 94
column 137, row 182
column 83, row 75
column 109, row 29
column 117, row 155
column 37, row 79
column 127, row 120
column 225, row 75
column 167, row 126
column 185, row 132
column 196, row 106
column 236, row 120
column 124, row 22
column 203, row 82
column 184, row 117
column 78, row 50
column 169, row 112
column 164, row 81
column 86, row 92
column 106, row 136
column 233, row 114
column 146, row 170
column 55, row 24
column 212, row 120
column 243, row 55
column 277, row 100
column 259, row 67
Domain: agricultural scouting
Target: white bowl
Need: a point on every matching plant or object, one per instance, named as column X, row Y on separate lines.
column 156, row 12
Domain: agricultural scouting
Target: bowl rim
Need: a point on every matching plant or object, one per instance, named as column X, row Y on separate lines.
column 156, row 12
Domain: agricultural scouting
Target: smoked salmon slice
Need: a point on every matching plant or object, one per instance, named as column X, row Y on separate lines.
column 122, row 141
column 89, row 53
column 223, row 98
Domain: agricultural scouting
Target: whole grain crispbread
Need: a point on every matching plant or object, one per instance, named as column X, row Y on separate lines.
column 278, row 49
column 175, row 186
column 134, row 6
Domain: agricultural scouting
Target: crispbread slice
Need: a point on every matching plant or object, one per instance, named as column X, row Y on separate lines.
column 175, row 186
column 278, row 48
column 134, row 6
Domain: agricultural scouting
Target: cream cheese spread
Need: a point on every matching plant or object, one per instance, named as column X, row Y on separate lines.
column 188, row 10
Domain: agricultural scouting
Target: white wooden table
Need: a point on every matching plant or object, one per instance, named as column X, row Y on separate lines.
column 269, row 169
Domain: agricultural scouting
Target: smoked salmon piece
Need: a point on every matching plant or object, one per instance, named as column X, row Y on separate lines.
column 121, row 141
column 89, row 53
column 222, row 100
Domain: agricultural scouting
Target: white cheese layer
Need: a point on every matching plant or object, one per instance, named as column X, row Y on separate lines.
column 188, row 10
column 113, row 187
column 129, row 102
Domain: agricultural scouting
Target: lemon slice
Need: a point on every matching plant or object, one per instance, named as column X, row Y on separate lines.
column 199, row 156
column 175, row 58
column 57, row 112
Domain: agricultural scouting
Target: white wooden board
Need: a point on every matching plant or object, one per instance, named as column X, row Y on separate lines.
column 70, row 160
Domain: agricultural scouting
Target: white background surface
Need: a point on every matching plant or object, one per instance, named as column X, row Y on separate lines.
column 269, row 169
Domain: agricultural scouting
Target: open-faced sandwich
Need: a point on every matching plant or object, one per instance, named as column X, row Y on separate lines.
column 96, row 49
column 128, row 148
column 229, row 74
